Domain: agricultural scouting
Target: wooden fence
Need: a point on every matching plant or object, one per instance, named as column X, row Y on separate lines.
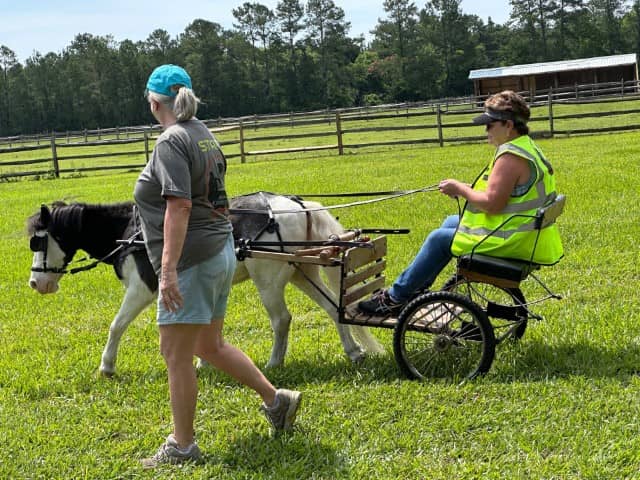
column 347, row 129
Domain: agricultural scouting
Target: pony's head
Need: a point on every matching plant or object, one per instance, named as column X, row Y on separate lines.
column 49, row 259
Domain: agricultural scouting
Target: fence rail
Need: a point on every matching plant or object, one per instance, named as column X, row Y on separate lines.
column 350, row 128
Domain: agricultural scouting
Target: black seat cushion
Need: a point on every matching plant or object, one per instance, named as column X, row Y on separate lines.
column 513, row 270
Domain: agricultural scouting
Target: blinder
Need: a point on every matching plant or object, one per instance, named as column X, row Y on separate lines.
column 39, row 244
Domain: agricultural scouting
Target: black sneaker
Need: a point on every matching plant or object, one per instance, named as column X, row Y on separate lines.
column 380, row 305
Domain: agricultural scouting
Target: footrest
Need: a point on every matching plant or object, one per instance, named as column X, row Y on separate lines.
column 498, row 271
column 353, row 316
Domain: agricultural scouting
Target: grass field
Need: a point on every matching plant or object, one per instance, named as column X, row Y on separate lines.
column 561, row 404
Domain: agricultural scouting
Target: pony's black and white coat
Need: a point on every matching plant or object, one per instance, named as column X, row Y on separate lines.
column 96, row 228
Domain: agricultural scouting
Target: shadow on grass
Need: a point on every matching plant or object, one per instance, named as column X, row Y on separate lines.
column 317, row 370
column 536, row 360
column 292, row 455
column 525, row 360
column 528, row 359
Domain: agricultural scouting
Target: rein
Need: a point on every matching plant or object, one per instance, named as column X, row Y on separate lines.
column 122, row 245
column 40, row 243
column 390, row 196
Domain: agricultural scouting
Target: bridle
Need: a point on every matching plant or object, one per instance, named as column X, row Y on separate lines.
column 40, row 244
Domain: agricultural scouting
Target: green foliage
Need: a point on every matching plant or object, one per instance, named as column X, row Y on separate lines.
column 562, row 403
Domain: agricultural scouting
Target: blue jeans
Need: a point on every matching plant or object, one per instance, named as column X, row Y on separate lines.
column 433, row 256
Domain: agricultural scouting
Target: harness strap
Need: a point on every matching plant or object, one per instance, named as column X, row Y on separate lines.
column 299, row 201
column 272, row 225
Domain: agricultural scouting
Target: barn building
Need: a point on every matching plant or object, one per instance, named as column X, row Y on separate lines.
column 565, row 73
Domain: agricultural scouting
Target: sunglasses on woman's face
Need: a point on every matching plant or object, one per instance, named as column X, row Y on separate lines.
column 491, row 124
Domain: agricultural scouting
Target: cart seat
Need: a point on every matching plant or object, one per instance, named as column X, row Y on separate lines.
column 497, row 271
column 504, row 272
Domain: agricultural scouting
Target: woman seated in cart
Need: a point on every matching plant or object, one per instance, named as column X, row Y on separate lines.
column 518, row 181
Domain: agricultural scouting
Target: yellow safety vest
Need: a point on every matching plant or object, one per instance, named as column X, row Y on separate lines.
column 517, row 239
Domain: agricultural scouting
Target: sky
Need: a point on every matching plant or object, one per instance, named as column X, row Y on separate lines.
column 27, row 26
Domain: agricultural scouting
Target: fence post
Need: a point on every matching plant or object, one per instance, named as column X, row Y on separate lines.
column 576, row 87
column 622, row 86
column 54, row 155
column 85, row 136
column 242, row 157
column 339, row 133
column 550, row 98
column 439, row 120
column 146, row 147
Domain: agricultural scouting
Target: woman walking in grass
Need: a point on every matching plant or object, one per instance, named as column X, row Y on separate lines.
column 183, row 209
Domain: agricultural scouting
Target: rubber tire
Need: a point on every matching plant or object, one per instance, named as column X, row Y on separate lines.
column 443, row 344
column 454, row 283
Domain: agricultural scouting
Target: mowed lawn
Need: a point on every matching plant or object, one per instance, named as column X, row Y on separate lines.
column 563, row 403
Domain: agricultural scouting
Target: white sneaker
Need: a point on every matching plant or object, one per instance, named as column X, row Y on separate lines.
column 170, row 453
column 282, row 414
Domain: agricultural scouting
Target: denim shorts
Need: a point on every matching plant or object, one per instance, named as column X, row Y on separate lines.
column 205, row 289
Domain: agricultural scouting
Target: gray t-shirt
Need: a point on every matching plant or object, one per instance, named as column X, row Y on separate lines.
column 187, row 162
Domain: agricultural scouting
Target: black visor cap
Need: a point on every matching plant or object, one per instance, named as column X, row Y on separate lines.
column 490, row 115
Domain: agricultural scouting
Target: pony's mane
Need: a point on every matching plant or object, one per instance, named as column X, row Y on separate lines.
column 65, row 213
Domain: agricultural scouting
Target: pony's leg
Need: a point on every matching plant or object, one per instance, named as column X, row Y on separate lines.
column 362, row 335
column 304, row 282
column 137, row 296
column 271, row 278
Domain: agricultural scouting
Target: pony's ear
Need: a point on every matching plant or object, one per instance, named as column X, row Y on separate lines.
column 45, row 215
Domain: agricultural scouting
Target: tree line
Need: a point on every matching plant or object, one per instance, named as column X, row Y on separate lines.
column 300, row 56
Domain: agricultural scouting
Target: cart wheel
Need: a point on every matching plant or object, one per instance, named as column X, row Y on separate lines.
column 443, row 334
column 505, row 307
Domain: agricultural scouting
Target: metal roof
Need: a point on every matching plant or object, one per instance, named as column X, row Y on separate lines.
column 549, row 67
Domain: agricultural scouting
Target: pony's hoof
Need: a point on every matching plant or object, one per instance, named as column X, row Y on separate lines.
column 357, row 357
column 104, row 373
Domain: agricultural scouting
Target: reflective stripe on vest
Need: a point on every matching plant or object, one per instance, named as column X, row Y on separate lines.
column 504, row 234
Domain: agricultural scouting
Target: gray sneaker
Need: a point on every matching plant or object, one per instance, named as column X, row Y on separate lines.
column 170, row 453
column 282, row 413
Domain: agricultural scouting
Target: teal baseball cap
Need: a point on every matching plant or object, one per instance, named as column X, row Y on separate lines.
column 166, row 76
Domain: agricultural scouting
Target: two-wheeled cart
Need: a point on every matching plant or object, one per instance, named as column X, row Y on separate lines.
column 451, row 333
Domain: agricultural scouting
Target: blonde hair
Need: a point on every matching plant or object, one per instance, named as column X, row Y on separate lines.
column 184, row 105
column 510, row 101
